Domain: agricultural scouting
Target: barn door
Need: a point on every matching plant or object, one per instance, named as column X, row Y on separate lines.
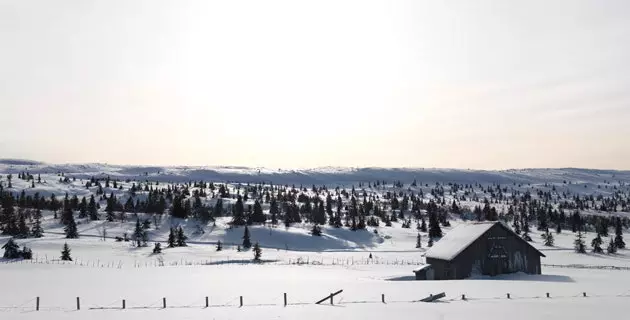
column 497, row 256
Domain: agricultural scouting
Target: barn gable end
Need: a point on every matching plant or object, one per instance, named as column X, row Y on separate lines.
column 488, row 248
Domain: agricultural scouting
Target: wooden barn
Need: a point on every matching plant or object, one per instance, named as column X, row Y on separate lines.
column 483, row 248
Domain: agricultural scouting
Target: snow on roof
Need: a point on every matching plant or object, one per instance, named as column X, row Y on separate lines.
column 422, row 267
column 458, row 239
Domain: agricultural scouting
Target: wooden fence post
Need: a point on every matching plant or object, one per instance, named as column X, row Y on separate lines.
column 241, row 300
column 164, row 303
column 285, row 299
column 123, row 306
column 331, row 298
column 548, row 295
column 207, row 302
column 78, row 304
column 463, row 297
column 584, row 294
column 37, row 304
column 508, row 296
column 383, row 297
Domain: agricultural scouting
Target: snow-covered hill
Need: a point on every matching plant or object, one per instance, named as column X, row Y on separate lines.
column 318, row 176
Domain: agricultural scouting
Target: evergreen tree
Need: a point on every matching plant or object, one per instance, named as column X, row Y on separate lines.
column 612, row 247
column 139, row 234
column 171, row 238
column 430, row 244
column 11, row 249
column 92, row 209
column 181, row 237
column 273, row 210
column 37, row 231
column 65, row 253
column 23, row 231
column 258, row 216
column 71, row 228
column 157, row 248
column 434, row 225
column 26, row 253
column 238, row 248
column 423, row 225
column 419, row 241
column 619, row 243
column 597, row 244
column 219, row 245
column 246, row 239
column 316, row 231
column 548, row 238
column 238, row 218
column 558, row 228
column 109, row 208
column 578, row 244
column 257, row 252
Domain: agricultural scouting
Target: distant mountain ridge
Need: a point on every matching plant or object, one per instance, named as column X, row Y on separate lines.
column 318, row 176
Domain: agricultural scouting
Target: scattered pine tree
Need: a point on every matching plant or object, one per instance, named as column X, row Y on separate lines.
column 37, row 231
column 419, row 241
column 619, row 243
column 257, row 252
column 11, row 249
column 597, row 244
column 430, row 244
column 247, row 243
column 71, row 228
column 316, row 231
column 65, row 253
column 181, row 237
column 171, row 239
column 547, row 238
column 157, row 248
column 612, row 247
column 219, row 245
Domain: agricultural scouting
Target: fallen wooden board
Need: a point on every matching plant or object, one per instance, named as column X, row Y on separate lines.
column 328, row 297
column 434, row 297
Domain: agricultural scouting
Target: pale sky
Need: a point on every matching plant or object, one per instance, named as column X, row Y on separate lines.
column 293, row 84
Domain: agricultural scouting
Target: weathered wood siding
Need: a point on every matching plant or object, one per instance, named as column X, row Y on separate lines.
column 498, row 251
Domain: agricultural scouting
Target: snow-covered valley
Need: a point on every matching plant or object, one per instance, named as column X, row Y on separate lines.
column 364, row 263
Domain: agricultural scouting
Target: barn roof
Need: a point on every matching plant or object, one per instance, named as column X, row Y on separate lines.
column 461, row 237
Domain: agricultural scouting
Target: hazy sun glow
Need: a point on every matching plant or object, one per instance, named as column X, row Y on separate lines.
column 468, row 84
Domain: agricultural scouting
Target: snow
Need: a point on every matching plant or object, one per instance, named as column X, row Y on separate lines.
column 422, row 267
column 307, row 268
column 457, row 240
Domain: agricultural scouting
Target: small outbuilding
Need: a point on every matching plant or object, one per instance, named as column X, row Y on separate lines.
column 481, row 248
column 424, row 272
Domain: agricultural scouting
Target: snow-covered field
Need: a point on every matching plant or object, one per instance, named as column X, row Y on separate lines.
column 307, row 268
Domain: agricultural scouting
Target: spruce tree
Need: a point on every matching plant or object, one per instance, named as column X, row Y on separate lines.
column 258, row 216
column 71, row 227
column 273, row 210
column 37, row 231
column 26, row 253
column 597, row 244
column 65, row 253
column 558, row 228
column 423, row 225
column 92, row 209
column 419, row 241
column 316, row 231
column 612, row 248
column 181, row 237
column 578, row 243
column 619, row 243
column 435, row 231
column 138, row 234
column 257, row 252
column 157, row 248
column 246, row 239
column 548, row 238
column 11, row 249
column 23, row 231
column 238, row 217
column 219, row 245
column 171, row 238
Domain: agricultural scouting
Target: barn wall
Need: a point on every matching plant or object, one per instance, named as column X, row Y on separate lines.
column 475, row 259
